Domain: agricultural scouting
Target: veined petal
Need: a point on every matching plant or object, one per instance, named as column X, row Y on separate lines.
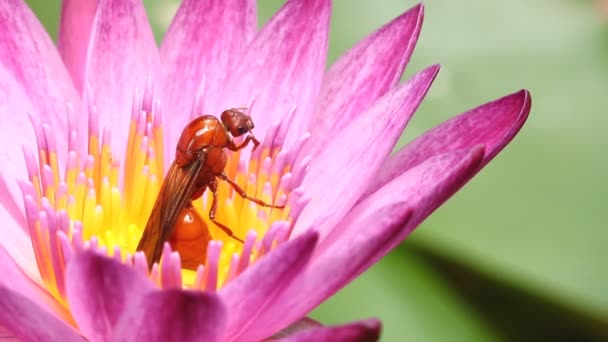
column 351, row 159
column 251, row 292
column 15, row 131
column 304, row 323
column 28, row 54
column 14, row 279
column 283, row 67
column 370, row 230
column 418, row 186
column 173, row 315
column 493, row 124
column 424, row 187
column 121, row 56
column 17, row 244
column 32, row 80
column 363, row 74
column 201, row 44
column 362, row 331
column 74, row 32
column 326, row 274
column 98, row 290
column 7, row 335
column 29, row 322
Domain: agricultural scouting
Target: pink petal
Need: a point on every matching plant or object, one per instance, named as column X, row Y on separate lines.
column 253, row 291
column 362, row 331
column 173, row 315
column 17, row 244
column 15, row 130
column 6, row 335
column 14, row 279
column 340, row 172
column 424, row 187
column 283, row 67
column 304, row 323
column 32, row 80
column 74, row 31
column 98, row 290
column 29, row 55
column 370, row 230
column 121, row 56
column 201, row 43
column 29, row 322
column 493, row 124
column 364, row 74
column 326, row 274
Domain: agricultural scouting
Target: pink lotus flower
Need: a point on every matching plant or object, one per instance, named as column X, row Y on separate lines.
column 95, row 145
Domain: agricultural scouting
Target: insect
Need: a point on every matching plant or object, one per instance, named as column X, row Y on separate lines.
column 200, row 159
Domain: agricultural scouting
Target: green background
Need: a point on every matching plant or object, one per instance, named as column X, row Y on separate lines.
column 520, row 252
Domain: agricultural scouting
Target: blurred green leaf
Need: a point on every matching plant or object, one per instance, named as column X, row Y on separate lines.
column 536, row 216
column 413, row 302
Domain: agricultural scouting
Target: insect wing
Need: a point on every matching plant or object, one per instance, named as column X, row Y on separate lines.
column 174, row 195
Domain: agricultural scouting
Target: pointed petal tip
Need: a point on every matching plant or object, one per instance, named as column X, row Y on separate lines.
column 425, row 77
column 523, row 95
column 372, row 323
column 415, row 11
column 527, row 101
column 310, row 237
column 477, row 153
column 362, row 331
column 419, row 7
column 519, row 104
column 434, row 69
column 368, row 330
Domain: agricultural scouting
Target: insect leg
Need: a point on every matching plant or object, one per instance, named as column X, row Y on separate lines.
column 213, row 187
column 233, row 147
column 243, row 194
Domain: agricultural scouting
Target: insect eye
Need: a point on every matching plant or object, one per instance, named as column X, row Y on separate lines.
column 241, row 130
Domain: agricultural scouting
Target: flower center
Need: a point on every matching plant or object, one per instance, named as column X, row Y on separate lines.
column 93, row 201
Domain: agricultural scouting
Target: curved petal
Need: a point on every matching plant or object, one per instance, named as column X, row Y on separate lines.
column 122, row 55
column 362, row 331
column 419, row 187
column 364, row 74
column 325, row 275
column 202, row 43
column 369, row 231
column 173, row 315
column 32, row 80
column 15, row 279
column 493, row 124
column 7, row 335
column 73, row 38
column 98, row 290
column 29, row 55
column 425, row 187
column 294, row 328
column 29, row 322
column 350, row 160
column 252, row 292
column 18, row 245
column 15, row 131
column 283, row 67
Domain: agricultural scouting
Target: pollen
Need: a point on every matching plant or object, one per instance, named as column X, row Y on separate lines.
column 94, row 199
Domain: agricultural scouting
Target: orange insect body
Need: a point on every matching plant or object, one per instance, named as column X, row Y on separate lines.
column 190, row 238
column 203, row 137
column 200, row 160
